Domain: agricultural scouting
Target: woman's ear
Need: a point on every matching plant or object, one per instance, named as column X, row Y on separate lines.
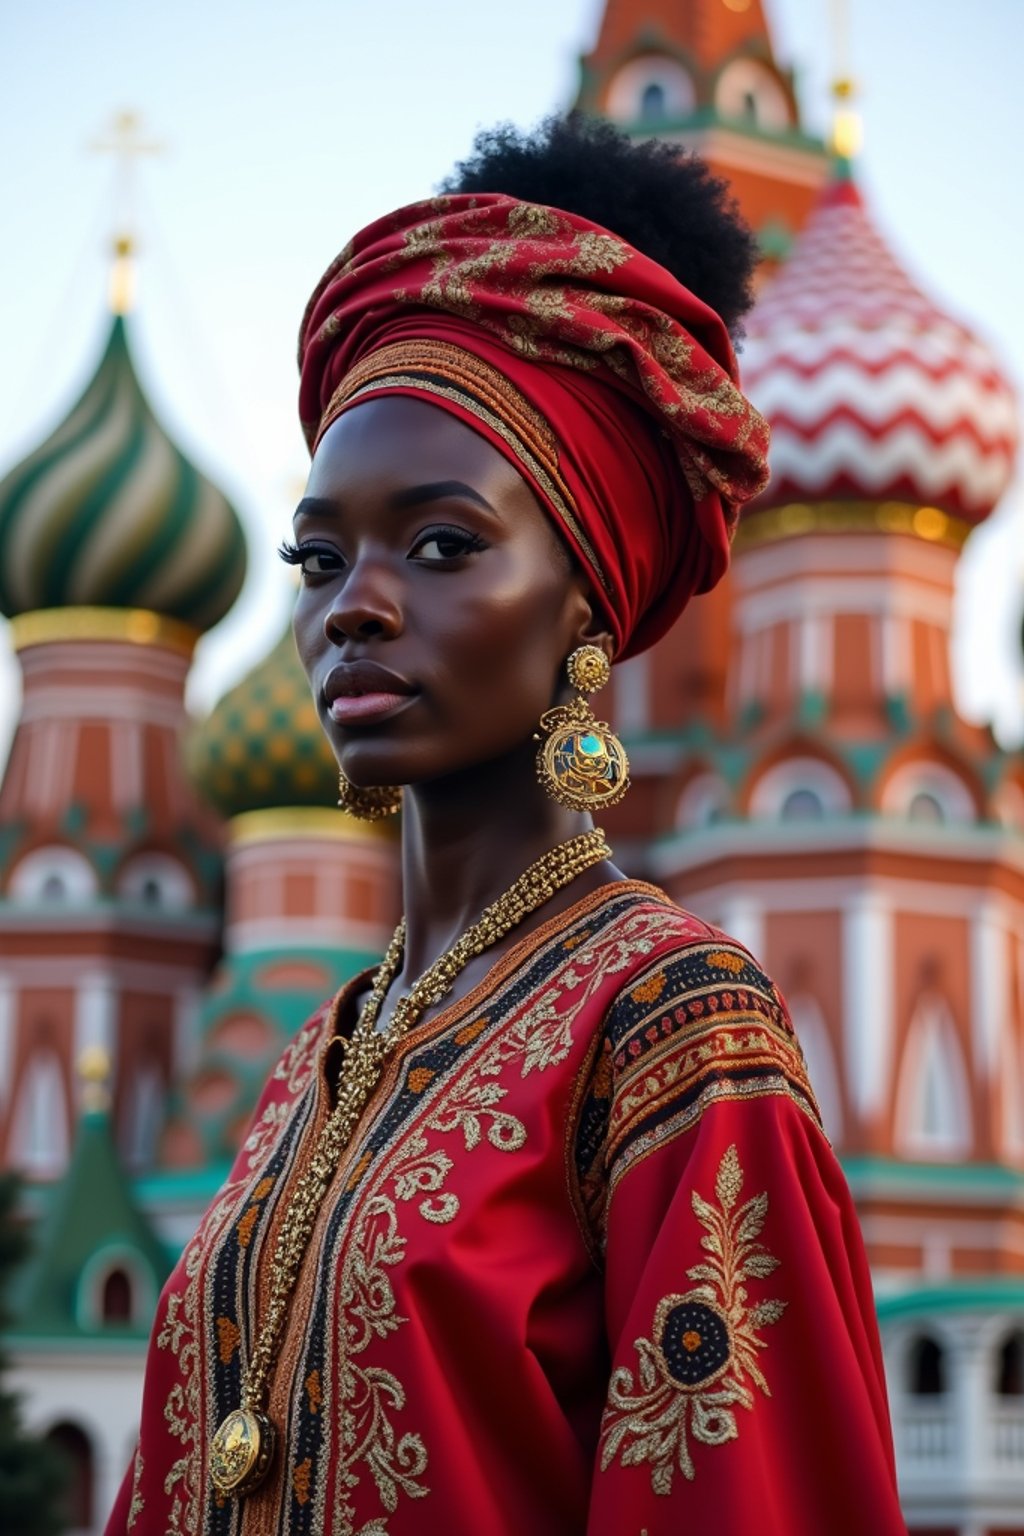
column 588, row 625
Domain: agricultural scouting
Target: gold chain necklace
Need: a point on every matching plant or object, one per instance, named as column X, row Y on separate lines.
column 242, row 1448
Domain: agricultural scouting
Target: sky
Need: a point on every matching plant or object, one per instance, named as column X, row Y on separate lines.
column 284, row 128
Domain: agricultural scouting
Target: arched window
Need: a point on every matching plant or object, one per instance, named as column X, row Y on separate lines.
column 928, row 792
column 1010, row 1366
column 933, row 1109
column 144, row 1116
column 40, row 1137
column 802, row 805
column 116, row 1298
column 703, row 802
column 54, row 873
column 74, row 1447
column 800, row 789
column 812, row 1033
column 156, row 880
column 926, row 807
column 651, row 88
column 749, row 91
column 652, row 103
column 926, row 1368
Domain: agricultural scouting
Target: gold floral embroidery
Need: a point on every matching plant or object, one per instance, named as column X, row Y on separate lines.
column 369, row 1393
column 416, row 1172
column 701, row 1359
column 138, row 1503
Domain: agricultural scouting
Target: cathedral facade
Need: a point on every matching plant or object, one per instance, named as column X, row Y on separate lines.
column 175, row 899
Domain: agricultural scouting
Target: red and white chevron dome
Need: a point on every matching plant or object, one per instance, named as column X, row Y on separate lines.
column 872, row 392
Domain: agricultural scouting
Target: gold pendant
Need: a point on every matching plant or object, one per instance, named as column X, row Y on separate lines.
column 581, row 763
column 241, row 1452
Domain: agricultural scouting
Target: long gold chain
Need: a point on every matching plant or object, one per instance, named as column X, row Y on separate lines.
column 365, row 1055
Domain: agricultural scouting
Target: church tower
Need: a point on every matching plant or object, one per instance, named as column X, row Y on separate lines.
column 867, row 843
column 703, row 73
column 116, row 553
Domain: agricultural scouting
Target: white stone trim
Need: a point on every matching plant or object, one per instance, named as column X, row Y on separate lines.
column 867, row 990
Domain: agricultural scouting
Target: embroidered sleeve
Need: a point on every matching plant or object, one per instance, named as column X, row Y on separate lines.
column 700, row 1362
column 745, row 1391
column 701, row 1026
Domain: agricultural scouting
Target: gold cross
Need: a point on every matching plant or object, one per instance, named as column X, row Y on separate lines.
column 125, row 141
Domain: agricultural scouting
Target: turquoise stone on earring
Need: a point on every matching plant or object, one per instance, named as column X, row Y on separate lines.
column 590, row 745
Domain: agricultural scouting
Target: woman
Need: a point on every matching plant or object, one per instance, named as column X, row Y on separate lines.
column 536, row 1230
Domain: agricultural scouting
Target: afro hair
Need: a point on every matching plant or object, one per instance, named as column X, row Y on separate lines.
column 663, row 200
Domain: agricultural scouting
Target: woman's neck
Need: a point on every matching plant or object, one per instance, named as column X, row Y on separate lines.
column 464, row 841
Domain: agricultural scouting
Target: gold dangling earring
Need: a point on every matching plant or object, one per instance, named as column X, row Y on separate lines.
column 370, row 804
column 581, row 762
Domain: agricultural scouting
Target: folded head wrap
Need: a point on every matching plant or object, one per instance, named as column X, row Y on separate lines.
column 610, row 387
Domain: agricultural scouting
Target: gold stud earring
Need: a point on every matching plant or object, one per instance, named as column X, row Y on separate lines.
column 581, row 762
column 370, row 804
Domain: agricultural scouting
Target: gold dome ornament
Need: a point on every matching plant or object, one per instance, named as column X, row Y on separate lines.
column 370, row 804
column 581, row 762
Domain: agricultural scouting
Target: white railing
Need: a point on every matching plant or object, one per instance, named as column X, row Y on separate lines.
column 1006, row 1441
column 925, row 1436
column 928, row 1442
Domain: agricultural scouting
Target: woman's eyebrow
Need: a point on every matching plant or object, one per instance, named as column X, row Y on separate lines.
column 314, row 506
column 437, row 490
column 400, row 501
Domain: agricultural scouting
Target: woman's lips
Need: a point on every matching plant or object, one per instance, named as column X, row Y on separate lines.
column 364, row 706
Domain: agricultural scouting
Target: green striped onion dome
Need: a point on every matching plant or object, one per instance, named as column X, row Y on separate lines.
column 262, row 745
column 108, row 513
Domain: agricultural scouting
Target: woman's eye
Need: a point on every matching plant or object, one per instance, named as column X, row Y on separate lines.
column 317, row 562
column 311, row 559
column 446, row 544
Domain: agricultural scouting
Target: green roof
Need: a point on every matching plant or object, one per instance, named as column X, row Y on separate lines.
column 988, row 1294
column 92, row 1227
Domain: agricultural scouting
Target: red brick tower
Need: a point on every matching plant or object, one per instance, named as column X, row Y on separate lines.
column 703, row 74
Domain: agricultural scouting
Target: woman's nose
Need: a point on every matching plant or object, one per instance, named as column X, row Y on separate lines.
column 366, row 604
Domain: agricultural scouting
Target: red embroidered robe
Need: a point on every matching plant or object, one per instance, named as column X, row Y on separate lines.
column 588, row 1268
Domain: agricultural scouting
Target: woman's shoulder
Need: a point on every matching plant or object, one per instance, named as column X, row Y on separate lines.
column 695, row 1024
column 669, row 945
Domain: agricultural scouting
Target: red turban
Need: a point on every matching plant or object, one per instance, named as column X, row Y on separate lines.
column 611, row 387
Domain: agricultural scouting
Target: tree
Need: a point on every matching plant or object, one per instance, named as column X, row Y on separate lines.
column 32, row 1473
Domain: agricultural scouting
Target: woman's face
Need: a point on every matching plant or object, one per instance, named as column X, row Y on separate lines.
column 437, row 604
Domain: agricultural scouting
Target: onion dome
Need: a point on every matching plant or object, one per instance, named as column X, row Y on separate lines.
column 262, row 746
column 109, row 513
column 873, row 393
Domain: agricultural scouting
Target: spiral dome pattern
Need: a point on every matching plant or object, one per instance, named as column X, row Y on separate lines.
column 872, row 392
column 262, row 746
column 108, row 512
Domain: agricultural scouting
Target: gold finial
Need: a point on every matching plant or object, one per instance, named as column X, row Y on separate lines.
column 94, row 1076
column 126, row 143
column 847, row 135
